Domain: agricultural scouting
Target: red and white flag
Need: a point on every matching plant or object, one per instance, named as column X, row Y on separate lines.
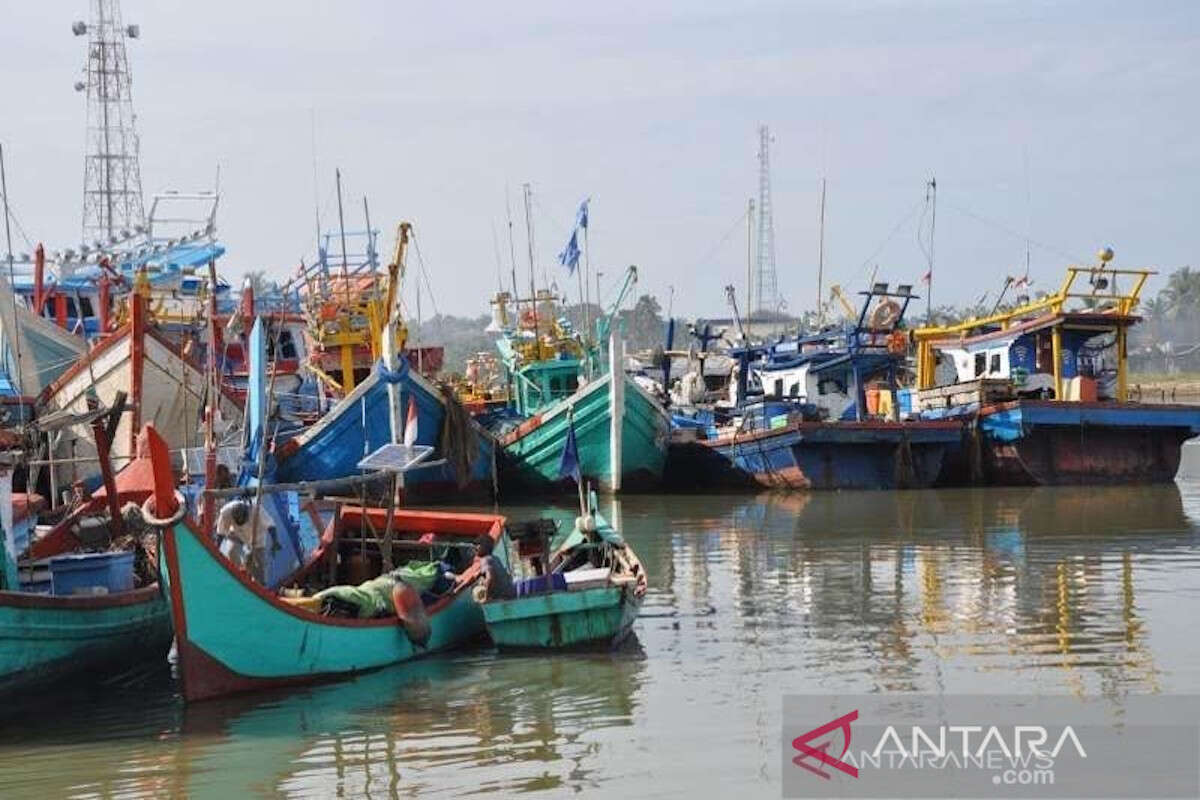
column 927, row 277
column 410, row 424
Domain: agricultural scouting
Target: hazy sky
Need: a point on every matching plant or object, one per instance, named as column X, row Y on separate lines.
column 1076, row 123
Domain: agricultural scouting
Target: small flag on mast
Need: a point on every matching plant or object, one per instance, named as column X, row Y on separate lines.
column 569, row 257
column 410, row 424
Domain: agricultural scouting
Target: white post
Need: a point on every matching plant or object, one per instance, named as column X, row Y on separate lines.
column 616, row 406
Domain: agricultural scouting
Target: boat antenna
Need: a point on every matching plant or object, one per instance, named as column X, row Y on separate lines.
column 528, row 190
column 749, row 265
column 512, row 250
column 931, row 198
column 821, row 263
column 312, row 124
column 499, row 266
column 15, row 334
column 342, row 231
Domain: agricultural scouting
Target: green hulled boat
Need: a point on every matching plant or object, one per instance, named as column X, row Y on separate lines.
column 589, row 597
column 554, row 372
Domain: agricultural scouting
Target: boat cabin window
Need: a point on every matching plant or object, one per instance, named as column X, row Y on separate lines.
column 980, row 364
column 795, row 391
column 572, row 383
column 286, row 347
column 994, row 367
column 778, row 392
column 72, row 311
column 85, row 303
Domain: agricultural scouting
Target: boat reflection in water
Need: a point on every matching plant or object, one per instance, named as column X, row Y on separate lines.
column 496, row 721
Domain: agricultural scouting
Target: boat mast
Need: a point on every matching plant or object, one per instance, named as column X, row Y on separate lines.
column 537, row 330
column 213, row 392
column 821, row 262
column 931, row 196
column 512, row 250
column 15, row 334
column 749, row 266
column 342, row 231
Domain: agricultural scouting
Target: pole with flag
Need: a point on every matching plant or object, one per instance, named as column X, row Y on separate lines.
column 568, row 465
column 569, row 257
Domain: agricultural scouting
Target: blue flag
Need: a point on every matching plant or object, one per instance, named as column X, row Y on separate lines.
column 569, row 257
column 569, row 465
column 581, row 218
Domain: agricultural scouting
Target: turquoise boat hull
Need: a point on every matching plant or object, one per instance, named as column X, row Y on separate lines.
column 602, row 616
column 235, row 636
column 533, row 451
column 44, row 638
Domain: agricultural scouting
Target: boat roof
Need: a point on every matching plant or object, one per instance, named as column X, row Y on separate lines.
column 1100, row 321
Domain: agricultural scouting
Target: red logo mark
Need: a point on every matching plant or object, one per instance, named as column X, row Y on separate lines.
column 820, row 753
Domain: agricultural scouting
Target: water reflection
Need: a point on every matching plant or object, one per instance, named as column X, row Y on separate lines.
column 1045, row 591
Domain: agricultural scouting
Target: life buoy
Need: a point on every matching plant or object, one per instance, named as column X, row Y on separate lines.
column 886, row 314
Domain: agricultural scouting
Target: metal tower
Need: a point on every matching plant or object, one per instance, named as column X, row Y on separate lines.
column 766, row 286
column 112, row 179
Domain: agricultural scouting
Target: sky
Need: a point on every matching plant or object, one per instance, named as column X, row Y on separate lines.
column 1055, row 128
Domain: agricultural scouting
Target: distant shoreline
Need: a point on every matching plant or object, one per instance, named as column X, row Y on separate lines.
column 1163, row 388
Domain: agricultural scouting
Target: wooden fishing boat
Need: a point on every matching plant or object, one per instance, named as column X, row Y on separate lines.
column 815, row 412
column 353, row 318
column 234, row 636
column 47, row 637
column 814, row 455
column 1043, row 389
column 164, row 387
column 589, row 597
column 358, row 424
column 554, row 372
column 532, row 449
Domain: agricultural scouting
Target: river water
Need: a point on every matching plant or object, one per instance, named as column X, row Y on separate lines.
column 1085, row 591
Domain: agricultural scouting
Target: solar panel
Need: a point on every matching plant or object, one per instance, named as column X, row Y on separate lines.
column 396, row 457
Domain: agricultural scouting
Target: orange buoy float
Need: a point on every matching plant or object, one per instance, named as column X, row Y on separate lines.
column 411, row 613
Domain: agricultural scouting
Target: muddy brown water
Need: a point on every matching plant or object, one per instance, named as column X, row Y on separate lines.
column 1085, row 591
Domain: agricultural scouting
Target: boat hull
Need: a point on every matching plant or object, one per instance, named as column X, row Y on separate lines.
column 601, row 616
column 360, row 424
column 818, row 456
column 45, row 638
column 233, row 636
column 533, row 451
column 1046, row 443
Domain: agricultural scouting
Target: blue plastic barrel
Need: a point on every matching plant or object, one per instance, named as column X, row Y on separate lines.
column 91, row 573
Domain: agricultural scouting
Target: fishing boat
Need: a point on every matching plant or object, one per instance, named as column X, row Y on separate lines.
column 71, row 615
column 819, row 411
column 1043, row 389
column 163, row 385
column 234, row 635
column 588, row 594
column 554, row 372
column 347, row 609
column 348, row 329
